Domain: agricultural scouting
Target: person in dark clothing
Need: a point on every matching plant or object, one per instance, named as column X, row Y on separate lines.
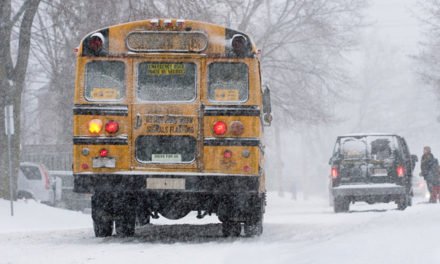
column 429, row 169
column 435, row 184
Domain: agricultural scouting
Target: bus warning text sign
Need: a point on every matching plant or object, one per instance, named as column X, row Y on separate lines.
column 166, row 69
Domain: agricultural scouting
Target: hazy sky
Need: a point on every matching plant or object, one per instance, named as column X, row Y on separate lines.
column 395, row 21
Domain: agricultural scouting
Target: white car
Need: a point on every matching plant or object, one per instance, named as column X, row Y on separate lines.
column 34, row 182
column 419, row 187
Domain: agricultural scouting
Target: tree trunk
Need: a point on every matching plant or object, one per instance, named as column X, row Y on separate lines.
column 12, row 77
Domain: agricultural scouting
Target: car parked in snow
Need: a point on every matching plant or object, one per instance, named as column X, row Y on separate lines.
column 371, row 168
column 66, row 198
column 420, row 188
column 34, row 182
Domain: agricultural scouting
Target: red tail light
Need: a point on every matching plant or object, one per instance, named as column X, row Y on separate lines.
column 103, row 153
column 220, row 128
column 180, row 23
column 239, row 44
column 335, row 172
column 96, row 42
column 227, row 154
column 168, row 23
column 400, row 171
column 112, row 127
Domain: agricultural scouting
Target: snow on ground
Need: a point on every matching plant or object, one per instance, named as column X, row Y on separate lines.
column 295, row 232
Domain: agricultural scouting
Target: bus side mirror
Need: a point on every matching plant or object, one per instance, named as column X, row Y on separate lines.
column 267, row 107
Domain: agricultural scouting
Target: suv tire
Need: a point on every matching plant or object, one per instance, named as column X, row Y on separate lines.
column 403, row 202
column 341, row 204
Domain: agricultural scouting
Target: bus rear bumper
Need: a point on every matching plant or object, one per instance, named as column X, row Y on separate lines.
column 166, row 182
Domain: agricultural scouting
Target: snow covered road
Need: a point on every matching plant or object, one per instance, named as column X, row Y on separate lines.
column 295, row 232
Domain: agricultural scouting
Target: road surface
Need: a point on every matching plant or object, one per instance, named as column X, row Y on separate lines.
column 294, row 232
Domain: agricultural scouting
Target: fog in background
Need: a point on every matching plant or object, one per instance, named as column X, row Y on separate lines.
column 387, row 96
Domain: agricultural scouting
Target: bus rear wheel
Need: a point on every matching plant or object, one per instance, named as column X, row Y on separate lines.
column 102, row 214
column 125, row 215
column 231, row 229
column 125, row 226
column 254, row 226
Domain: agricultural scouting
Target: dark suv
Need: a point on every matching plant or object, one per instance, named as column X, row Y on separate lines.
column 371, row 168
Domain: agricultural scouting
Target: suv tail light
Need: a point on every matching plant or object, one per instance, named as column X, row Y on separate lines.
column 334, row 172
column 400, row 171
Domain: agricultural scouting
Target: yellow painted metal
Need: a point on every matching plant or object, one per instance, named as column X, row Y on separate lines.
column 119, row 152
column 210, row 159
column 251, row 126
column 214, row 160
column 81, row 125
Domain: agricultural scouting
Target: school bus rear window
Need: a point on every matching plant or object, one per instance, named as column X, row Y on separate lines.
column 166, row 149
column 228, row 82
column 159, row 81
column 105, row 80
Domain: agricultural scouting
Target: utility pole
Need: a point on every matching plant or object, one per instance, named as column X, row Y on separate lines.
column 9, row 129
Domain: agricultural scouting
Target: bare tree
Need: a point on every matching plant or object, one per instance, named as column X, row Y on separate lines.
column 429, row 57
column 13, row 69
column 302, row 45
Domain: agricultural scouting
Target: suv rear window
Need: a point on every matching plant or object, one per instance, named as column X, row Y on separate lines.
column 31, row 172
column 374, row 147
column 105, row 80
column 353, row 148
column 228, row 82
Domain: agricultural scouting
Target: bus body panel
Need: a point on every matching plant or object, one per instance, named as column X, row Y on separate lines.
column 165, row 157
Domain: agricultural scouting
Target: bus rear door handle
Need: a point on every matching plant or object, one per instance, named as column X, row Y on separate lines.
column 138, row 121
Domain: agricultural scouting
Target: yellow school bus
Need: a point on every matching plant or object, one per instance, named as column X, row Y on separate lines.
column 168, row 119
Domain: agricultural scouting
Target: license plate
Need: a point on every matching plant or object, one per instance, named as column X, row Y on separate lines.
column 104, row 163
column 380, row 172
column 165, row 184
column 166, row 158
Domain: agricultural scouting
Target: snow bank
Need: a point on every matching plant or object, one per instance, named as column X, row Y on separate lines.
column 294, row 232
column 30, row 215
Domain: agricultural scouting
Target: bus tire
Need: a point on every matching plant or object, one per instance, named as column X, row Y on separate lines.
column 253, row 226
column 125, row 226
column 102, row 214
column 125, row 215
column 231, row 229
